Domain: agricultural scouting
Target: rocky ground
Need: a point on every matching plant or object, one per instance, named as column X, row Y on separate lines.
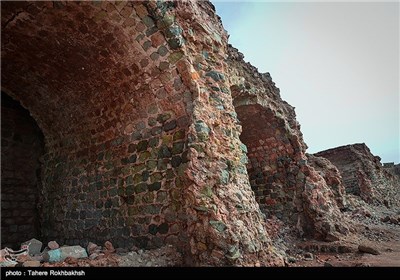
column 373, row 241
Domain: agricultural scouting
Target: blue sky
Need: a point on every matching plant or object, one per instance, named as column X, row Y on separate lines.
column 336, row 63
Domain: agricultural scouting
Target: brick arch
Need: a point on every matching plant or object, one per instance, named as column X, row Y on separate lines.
column 101, row 82
column 271, row 165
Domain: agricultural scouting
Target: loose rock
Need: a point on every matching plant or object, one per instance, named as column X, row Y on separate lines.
column 109, row 247
column 34, row 246
column 62, row 253
column 53, row 245
column 364, row 248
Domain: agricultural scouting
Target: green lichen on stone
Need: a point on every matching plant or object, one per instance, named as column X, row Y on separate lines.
column 174, row 31
column 216, row 76
column 202, row 130
column 161, row 197
column 148, row 197
column 244, row 159
column 148, row 21
column 100, row 15
column 180, row 134
column 142, row 145
column 137, row 179
column 130, row 189
column 152, row 121
column 165, row 21
column 156, row 177
column 207, row 191
column 146, row 45
column 177, row 147
column 233, row 253
column 176, row 42
column 167, row 139
column 164, row 152
column 151, row 31
column 151, row 164
column 138, row 168
column 218, row 225
column 163, row 65
column 174, row 57
column 140, row 188
column 144, row 155
column 243, row 147
column 162, row 118
column 139, row 38
column 153, row 142
column 224, row 178
column 133, row 211
column 162, row 51
column 170, row 174
column 201, row 208
column 155, row 186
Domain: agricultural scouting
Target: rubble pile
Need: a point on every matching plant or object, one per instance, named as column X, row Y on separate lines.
column 52, row 255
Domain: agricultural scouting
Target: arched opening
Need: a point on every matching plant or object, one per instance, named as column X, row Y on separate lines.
column 21, row 148
column 271, row 170
column 100, row 79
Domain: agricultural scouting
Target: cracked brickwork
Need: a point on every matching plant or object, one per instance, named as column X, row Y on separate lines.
column 156, row 131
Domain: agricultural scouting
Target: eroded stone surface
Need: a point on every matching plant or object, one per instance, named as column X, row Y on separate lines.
column 363, row 174
column 157, row 132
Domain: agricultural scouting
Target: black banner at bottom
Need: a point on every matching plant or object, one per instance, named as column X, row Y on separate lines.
column 185, row 272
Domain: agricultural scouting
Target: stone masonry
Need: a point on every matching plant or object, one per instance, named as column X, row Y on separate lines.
column 363, row 174
column 392, row 168
column 157, row 132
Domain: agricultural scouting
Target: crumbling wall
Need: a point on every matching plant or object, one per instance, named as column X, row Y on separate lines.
column 101, row 81
column 285, row 184
column 224, row 223
column 331, row 176
column 21, row 148
column 392, row 168
column 146, row 113
column 363, row 174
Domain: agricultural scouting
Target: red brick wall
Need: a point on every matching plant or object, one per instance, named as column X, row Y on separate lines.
column 271, row 169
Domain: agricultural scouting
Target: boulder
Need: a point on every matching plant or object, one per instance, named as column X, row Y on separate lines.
column 53, row 245
column 60, row 254
column 34, row 246
column 365, row 248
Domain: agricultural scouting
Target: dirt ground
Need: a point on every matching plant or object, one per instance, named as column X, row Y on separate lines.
column 376, row 227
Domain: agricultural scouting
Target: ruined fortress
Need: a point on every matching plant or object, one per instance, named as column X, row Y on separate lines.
column 136, row 122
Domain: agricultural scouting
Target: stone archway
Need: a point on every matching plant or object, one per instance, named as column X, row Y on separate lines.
column 271, row 155
column 101, row 81
column 21, row 148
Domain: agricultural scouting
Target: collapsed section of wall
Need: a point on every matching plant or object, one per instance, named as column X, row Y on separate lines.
column 157, row 131
column 284, row 182
column 363, row 174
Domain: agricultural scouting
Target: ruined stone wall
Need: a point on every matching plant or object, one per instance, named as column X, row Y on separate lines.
column 146, row 113
column 392, row 168
column 331, row 175
column 101, row 81
column 363, row 174
column 285, row 184
column 21, row 147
